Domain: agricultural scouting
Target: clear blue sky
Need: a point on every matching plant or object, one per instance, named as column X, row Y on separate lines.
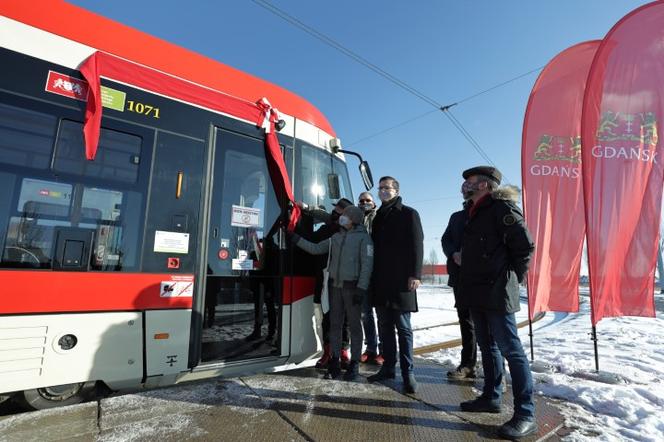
column 448, row 50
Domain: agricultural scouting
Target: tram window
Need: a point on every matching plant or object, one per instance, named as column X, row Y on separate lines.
column 26, row 137
column 117, row 158
column 100, row 196
column 45, row 205
column 316, row 166
column 44, row 198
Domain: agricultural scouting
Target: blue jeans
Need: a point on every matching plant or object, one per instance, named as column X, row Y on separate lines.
column 388, row 321
column 369, row 324
column 497, row 338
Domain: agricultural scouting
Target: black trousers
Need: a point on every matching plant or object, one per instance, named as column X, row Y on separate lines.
column 345, row 331
column 468, row 340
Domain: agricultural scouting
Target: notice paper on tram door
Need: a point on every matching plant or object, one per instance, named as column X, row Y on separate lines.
column 242, row 262
column 171, row 242
column 245, row 217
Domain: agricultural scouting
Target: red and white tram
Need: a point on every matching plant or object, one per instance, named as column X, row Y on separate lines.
column 163, row 258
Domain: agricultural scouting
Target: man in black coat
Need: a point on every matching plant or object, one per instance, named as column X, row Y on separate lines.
column 451, row 242
column 398, row 252
column 495, row 254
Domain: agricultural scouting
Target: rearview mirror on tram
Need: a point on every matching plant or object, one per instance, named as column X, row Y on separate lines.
column 365, row 172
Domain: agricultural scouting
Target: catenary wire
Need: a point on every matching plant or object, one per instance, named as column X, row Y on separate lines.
column 359, row 59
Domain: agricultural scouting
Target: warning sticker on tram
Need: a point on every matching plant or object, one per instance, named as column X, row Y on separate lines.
column 61, row 84
column 182, row 287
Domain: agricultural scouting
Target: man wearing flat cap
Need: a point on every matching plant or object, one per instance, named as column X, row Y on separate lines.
column 495, row 254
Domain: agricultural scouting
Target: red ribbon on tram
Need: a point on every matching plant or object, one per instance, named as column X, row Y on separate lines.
column 623, row 166
column 101, row 64
column 93, row 109
column 552, row 184
column 275, row 160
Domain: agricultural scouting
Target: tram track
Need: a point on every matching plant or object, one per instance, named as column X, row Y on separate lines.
column 456, row 342
column 429, row 327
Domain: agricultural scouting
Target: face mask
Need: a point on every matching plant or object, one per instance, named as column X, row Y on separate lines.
column 344, row 221
column 468, row 189
column 386, row 194
column 366, row 207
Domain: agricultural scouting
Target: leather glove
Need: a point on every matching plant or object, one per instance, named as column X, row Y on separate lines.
column 358, row 296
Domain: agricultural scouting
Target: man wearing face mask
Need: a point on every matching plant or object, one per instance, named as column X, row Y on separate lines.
column 329, row 228
column 351, row 262
column 495, row 254
column 398, row 241
column 371, row 354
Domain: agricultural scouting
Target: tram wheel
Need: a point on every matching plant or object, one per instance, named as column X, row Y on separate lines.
column 56, row 396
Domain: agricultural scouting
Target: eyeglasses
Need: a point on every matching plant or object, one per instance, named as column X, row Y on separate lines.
column 385, row 188
column 366, row 201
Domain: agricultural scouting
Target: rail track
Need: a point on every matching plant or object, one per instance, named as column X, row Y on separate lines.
column 456, row 342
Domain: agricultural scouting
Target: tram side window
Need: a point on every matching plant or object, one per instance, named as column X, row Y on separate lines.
column 117, row 157
column 76, row 195
column 26, row 137
column 26, row 144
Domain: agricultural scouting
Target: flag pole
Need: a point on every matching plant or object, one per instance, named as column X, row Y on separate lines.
column 593, row 333
column 530, row 324
column 594, row 339
column 660, row 267
column 530, row 333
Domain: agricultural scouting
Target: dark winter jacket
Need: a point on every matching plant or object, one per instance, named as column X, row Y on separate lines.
column 495, row 254
column 451, row 242
column 398, row 247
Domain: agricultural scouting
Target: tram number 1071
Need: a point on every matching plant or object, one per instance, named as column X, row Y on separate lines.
column 140, row 108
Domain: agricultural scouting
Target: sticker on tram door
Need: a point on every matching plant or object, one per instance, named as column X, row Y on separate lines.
column 177, row 289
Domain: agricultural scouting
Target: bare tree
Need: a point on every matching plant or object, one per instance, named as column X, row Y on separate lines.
column 433, row 257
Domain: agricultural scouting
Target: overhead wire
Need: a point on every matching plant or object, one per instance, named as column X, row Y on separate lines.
column 349, row 53
column 394, row 80
column 463, row 100
column 396, row 126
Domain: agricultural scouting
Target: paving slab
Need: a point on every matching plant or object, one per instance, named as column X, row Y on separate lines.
column 436, row 390
column 75, row 422
column 209, row 410
column 338, row 410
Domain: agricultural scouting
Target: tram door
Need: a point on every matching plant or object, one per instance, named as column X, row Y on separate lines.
column 243, row 293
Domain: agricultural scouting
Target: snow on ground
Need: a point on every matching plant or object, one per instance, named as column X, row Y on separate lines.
column 624, row 401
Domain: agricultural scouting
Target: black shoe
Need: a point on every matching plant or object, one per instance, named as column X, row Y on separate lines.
column 518, row 427
column 333, row 369
column 381, row 376
column 352, row 372
column 461, row 373
column 481, row 405
column 409, row 384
